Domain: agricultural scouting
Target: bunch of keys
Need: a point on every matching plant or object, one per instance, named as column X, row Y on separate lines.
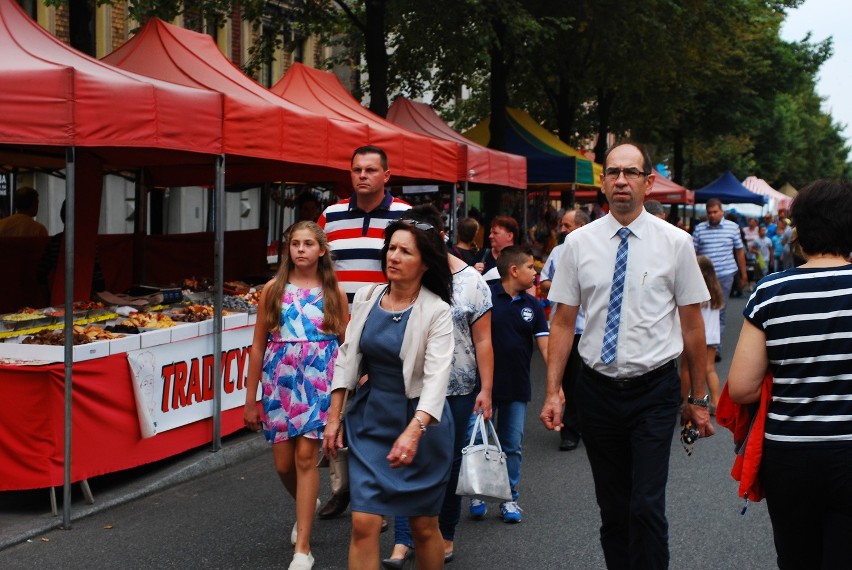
column 688, row 436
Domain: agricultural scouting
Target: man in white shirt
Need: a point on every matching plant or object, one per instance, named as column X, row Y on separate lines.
column 628, row 394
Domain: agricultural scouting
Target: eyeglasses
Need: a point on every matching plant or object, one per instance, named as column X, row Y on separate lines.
column 629, row 173
column 419, row 225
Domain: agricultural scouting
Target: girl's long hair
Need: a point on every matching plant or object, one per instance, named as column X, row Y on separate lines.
column 717, row 298
column 332, row 322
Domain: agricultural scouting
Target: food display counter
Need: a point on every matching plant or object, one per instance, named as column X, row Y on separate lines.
column 106, row 436
column 113, row 380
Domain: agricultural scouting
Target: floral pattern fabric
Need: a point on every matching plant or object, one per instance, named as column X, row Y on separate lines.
column 297, row 368
column 471, row 300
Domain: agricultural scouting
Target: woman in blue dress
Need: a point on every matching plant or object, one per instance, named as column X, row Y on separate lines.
column 398, row 426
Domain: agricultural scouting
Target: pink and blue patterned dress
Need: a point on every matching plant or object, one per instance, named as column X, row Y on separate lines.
column 297, row 368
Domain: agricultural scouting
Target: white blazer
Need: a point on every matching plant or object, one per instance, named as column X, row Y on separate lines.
column 426, row 351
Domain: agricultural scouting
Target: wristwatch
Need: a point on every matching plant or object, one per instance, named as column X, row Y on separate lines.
column 703, row 402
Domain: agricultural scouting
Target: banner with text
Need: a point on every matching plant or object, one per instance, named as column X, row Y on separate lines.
column 173, row 383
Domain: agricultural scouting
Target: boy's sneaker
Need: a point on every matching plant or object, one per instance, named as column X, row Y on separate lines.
column 478, row 509
column 511, row 512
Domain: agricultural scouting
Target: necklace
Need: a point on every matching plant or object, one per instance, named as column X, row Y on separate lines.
column 397, row 313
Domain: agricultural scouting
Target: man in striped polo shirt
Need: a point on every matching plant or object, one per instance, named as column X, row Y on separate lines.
column 356, row 226
column 721, row 241
column 356, row 233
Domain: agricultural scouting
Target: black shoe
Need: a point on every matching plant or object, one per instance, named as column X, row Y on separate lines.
column 398, row 563
column 449, row 557
column 568, row 444
column 718, row 357
column 335, row 506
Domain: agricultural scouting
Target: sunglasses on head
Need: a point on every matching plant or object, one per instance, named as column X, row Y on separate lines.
column 419, row 225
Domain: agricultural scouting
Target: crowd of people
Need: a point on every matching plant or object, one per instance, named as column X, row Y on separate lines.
column 378, row 337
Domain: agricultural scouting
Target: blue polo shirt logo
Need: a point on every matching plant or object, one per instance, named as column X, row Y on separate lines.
column 527, row 314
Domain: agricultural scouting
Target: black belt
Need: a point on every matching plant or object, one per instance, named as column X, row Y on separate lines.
column 627, row 383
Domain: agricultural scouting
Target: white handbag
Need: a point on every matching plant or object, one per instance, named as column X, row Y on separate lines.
column 484, row 474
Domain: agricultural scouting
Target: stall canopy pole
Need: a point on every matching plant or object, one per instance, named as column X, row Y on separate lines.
column 279, row 224
column 70, row 231
column 466, row 200
column 218, row 281
column 454, row 217
column 526, row 207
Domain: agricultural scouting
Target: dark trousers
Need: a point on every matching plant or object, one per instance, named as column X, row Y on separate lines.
column 628, row 437
column 809, row 497
column 570, row 422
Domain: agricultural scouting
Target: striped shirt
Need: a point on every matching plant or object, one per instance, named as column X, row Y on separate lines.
column 806, row 315
column 356, row 239
column 718, row 243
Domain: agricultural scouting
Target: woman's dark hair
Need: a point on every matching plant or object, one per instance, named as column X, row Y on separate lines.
column 437, row 278
column 426, row 213
column 822, row 215
column 467, row 229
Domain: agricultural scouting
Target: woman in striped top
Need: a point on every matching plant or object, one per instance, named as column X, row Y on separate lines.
column 799, row 327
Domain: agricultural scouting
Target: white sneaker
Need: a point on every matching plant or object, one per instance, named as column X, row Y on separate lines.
column 294, row 534
column 302, row 561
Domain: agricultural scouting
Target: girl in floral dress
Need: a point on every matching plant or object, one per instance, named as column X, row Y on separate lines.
column 301, row 317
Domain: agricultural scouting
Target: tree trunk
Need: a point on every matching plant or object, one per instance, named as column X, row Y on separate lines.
column 604, row 112
column 566, row 110
column 677, row 156
column 498, row 87
column 375, row 51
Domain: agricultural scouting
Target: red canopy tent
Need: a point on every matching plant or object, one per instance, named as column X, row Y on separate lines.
column 59, row 99
column 669, row 192
column 477, row 164
column 298, row 145
column 65, row 110
column 411, row 155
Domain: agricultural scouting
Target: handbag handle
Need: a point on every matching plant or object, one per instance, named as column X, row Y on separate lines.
column 480, row 425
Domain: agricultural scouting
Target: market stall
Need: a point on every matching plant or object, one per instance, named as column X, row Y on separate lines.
column 760, row 186
column 412, row 156
column 553, row 167
column 478, row 166
column 729, row 190
column 71, row 411
column 54, row 118
column 549, row 160
column 281, row 140
column 105, row 420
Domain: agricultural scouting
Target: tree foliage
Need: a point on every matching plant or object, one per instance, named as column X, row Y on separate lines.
column 708, row 86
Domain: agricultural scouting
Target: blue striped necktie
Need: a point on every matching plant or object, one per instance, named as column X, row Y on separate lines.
column 613, row 314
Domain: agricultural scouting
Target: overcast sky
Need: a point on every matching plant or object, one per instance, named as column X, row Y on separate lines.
column 824, row 18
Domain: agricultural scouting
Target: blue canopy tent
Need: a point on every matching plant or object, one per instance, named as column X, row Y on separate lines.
column 730, row 191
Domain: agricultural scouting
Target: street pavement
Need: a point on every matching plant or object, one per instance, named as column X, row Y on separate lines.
column 228, row 510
